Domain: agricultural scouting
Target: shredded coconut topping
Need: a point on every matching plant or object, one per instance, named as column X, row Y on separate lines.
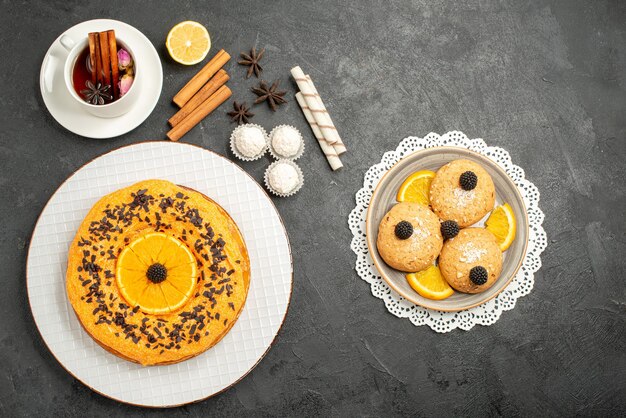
column 464, row 197
column 471, row 253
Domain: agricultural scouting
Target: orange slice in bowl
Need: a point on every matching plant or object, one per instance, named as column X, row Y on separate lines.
column 156, row 272
column 416, row 188
column 430, row 283
column 502, row 224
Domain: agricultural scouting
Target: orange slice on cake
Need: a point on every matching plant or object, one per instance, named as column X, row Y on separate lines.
column 156, row 272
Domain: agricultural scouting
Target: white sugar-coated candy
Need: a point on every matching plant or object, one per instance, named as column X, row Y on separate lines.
column 286, row 141
column 283, row 178
column 249, row 141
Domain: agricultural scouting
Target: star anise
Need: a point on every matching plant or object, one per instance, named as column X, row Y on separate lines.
column 96, row 94
column 252, row 61
column 270, row 94
column 241, row 114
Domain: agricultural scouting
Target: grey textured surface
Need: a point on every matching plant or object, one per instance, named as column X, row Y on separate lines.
column 545, row 80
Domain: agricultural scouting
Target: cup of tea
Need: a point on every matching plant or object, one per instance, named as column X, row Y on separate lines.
column 101, row 74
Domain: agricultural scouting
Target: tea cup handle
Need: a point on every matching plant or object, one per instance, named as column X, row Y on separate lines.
column 67, row 42
column 48, row 72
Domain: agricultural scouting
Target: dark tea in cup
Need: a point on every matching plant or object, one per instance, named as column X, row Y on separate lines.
column 104, row 70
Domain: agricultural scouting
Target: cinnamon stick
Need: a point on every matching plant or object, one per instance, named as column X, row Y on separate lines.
column 93, row 39
column 115, row 72
column 205, row 108
column 197, row 81
column 106, row 60
column 218, row 80
column 98, row 59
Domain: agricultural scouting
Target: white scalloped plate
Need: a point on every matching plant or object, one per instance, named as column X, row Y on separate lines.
column 384, row 198
column 486, row 313
column 241, row 349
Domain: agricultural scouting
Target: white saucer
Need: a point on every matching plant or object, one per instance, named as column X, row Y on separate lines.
column 63, row 107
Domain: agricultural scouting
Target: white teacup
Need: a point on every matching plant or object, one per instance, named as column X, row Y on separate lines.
column 109, row 110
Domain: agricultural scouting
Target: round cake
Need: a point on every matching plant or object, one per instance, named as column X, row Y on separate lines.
column 157, row 273
column 462, row 191
column 471, row 262
column 409, row 237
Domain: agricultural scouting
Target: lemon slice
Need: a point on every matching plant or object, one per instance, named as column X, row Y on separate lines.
column 430, row 283
column 502, row 224
column 156, row 272
column 416, row 188
column 188, row 42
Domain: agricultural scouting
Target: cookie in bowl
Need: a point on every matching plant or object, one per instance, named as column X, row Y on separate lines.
column 157, row 273
column 409, row 237
column 471, row 262
column 462, row 191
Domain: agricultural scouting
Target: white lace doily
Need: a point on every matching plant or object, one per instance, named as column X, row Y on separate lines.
column 487, row 313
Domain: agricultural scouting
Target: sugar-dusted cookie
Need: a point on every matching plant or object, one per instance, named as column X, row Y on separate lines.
column 462, row 191
column 409, row 237
column 471, row 262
